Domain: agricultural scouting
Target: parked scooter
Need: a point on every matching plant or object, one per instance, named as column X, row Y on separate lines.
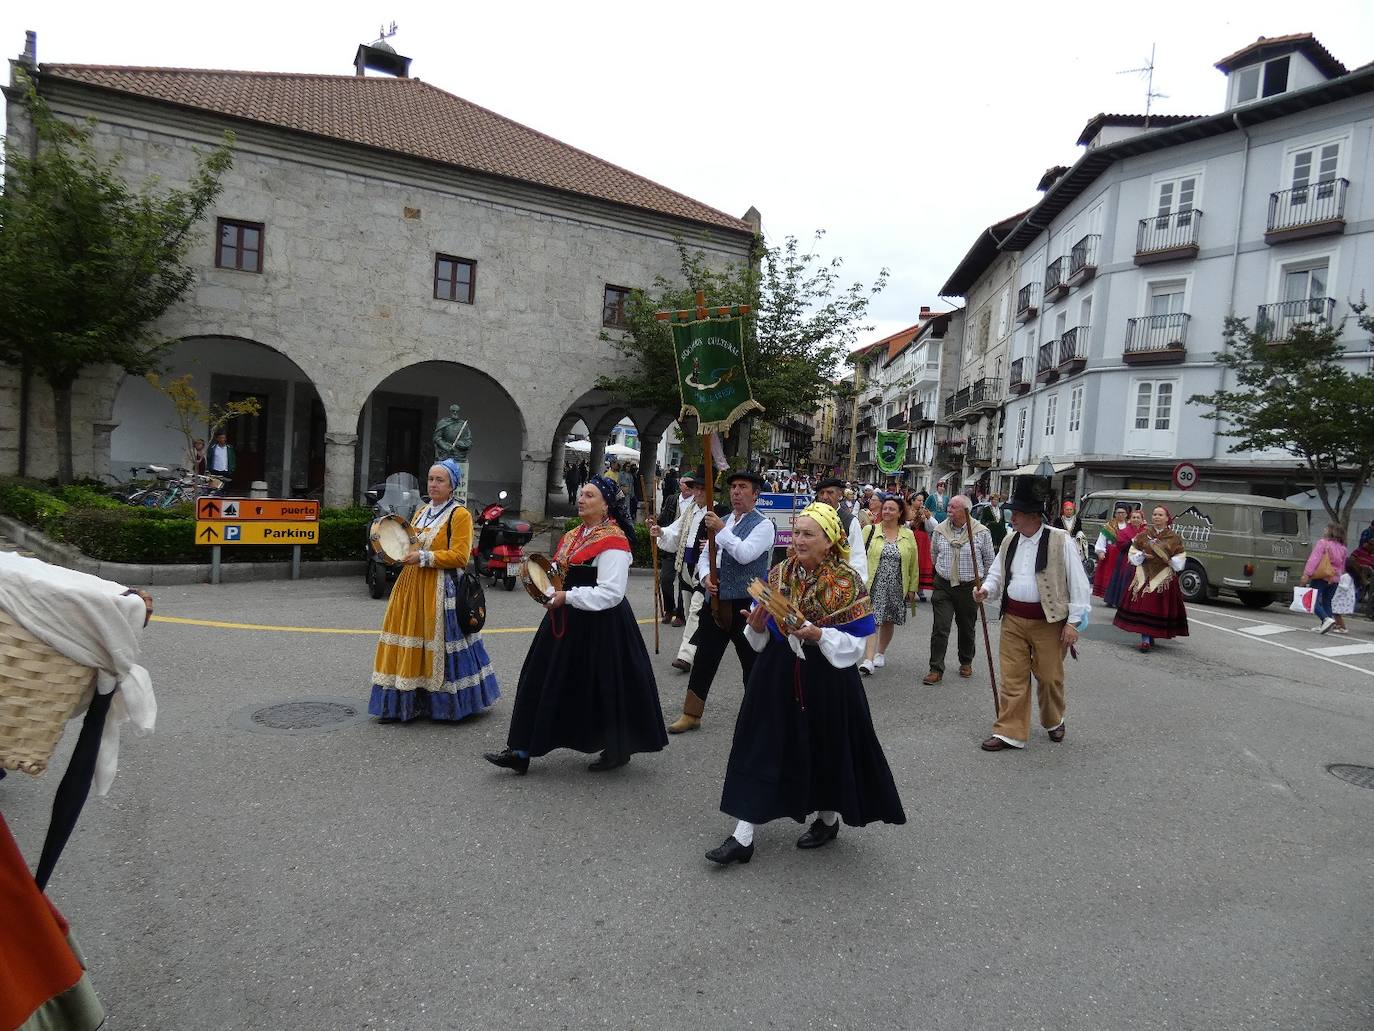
column 500, row 542
column 399, row 495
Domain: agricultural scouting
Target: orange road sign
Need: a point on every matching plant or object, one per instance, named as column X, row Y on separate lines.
column 278, row 509
column 217, row 532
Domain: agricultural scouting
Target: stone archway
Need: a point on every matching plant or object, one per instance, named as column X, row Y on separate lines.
column 283, row 446
column 395, row 429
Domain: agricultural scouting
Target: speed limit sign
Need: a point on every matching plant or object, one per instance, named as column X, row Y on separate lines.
column 1185, row 475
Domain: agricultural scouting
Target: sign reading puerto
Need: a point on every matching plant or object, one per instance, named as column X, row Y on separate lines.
column 258, row 508
column 257, row 521
column 1185, row 476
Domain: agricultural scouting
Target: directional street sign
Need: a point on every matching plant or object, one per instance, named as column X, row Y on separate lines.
column 278, row 509
column 280, row 532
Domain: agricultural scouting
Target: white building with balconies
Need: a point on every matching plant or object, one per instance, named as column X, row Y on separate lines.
column 1136, row 255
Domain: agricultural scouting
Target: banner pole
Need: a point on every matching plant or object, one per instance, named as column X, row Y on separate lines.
column 653, row 549
column 983, row 616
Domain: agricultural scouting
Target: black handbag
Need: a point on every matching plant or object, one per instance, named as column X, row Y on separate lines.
column 470, row 600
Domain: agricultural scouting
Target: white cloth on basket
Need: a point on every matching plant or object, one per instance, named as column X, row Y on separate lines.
column 90, row 621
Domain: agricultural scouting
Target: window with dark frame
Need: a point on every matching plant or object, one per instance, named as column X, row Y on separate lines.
column 240, row 245
column 613, row 307
column 454, row 278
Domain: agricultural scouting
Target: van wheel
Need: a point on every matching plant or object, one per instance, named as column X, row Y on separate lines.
column 1255, row 599
column 1193, row 583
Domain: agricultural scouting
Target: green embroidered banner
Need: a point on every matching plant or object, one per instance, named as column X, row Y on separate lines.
column 890, row 451
column 710, row 373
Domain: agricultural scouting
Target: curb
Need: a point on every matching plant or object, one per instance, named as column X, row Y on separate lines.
column 173, row 573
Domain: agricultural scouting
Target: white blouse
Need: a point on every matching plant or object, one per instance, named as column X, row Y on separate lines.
column 612, row 576
column 839, row 648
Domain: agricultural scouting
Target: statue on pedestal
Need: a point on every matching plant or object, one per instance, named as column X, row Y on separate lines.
column 452, row 437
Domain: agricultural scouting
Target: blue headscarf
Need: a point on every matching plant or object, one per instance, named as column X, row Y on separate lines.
column 454, row 470
column 615, row 504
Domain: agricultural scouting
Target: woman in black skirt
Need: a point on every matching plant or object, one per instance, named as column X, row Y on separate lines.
column 804, row 742
column 587, row 683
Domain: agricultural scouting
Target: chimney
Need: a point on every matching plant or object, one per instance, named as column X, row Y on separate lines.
column 380, row 57
column 925, row 312
column 30, row 55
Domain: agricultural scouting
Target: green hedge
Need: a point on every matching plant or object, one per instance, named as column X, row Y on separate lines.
column 641, row 546
column 106, row 529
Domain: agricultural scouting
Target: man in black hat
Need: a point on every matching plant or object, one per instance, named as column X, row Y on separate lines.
column 831, row 492
column 1047, row 599
column 744, row 542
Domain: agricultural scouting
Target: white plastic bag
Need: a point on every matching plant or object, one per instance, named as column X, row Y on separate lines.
column 1304, row 598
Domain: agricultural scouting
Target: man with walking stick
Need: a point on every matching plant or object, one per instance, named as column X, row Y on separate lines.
column 956, row 574
column 1047, row 602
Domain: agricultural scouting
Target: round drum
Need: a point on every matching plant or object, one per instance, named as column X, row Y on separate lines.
column 540, row 577
column 393, row 538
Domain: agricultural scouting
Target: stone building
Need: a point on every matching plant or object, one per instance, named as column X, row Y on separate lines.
column 381, row 249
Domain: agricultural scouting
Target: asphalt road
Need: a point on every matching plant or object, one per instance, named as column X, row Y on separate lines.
column 1182, row 860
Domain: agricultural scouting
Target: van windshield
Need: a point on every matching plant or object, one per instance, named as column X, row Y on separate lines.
column 1279, row 523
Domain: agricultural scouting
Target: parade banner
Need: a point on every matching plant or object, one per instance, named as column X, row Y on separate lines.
column 890, row 451
column 710, row 373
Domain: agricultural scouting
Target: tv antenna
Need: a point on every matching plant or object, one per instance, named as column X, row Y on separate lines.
column 1147, row 71
column 384, row 33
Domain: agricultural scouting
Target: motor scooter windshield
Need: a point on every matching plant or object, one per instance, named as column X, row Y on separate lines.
column 402, row 495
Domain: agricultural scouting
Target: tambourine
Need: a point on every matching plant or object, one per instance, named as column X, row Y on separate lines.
column 541, row 577
column 788, row 617
column 393, row 538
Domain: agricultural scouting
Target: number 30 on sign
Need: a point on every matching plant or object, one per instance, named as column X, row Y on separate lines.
column 1185, row 475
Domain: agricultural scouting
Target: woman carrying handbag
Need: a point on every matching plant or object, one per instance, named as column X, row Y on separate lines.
column 1323, row 571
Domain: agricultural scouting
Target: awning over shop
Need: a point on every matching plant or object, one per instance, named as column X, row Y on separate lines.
column 1029, row 470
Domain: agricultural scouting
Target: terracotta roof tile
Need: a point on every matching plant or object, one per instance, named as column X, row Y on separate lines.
column 1273, row 46
column 403, row 116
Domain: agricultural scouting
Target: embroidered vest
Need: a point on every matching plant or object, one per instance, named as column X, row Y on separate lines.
column 1052, row 581
column 735, row 578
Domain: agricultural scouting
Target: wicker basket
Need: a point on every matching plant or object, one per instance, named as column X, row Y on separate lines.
column 40, row 689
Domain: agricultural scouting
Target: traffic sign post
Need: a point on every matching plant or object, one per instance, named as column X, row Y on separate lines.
column 222, row 521
column 1185, row 476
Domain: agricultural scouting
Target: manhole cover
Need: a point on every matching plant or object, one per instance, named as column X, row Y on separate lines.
column 302, row 716
column 1360, row 776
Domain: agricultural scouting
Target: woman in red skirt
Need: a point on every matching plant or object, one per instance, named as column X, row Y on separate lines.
column 1111, row 548
column 921, row 525
column 1153, row 605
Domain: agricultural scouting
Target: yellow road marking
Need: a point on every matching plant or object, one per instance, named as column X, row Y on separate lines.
column 220, row 624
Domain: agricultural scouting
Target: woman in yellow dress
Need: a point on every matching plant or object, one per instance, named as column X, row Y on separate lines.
column 425, row 665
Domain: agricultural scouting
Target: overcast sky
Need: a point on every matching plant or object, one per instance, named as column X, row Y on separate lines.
column 902, row 129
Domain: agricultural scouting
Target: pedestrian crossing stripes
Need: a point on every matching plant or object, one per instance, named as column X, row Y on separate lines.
column 1266, row 629
column 1345, row 649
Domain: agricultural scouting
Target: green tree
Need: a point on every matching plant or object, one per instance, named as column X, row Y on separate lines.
column 802, row 325
column 87, row 262
column 1295, row 393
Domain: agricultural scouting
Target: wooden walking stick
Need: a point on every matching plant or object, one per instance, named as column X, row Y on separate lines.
column 983, row 616
column 653, row 553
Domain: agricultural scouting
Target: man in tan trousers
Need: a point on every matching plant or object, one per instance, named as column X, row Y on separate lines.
column 1048, row 598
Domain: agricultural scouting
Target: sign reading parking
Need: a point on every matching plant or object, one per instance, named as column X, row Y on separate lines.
column 1185, row 476
column 257, row 533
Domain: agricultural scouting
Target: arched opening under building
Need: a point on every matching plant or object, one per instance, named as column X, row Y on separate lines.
column 397, row 424
column 283, row 445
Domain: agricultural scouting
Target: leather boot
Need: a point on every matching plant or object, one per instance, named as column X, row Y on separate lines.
column 692, row 708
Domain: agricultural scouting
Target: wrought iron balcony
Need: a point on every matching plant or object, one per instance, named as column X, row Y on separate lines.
column 959, row 406
column 1171, row 237
column 949, row 407
column 986, row 393
column 1083, row 259
column 981, row 451
column 897, row 422
column 1047, row 362
column 949, row 453
column 1073, row 350
column 1156, row 339
column 918, row 418
column 1027, row 302
column 1277, row 321
column 1019, row 380
column 1057, row 279
column 1312, row 210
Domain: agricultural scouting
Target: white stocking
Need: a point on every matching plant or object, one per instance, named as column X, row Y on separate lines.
column 744, row 832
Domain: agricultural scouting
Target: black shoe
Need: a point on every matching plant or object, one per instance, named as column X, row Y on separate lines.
column 819, row 833
column 604, row 762
column 731, row 851
column 508, row 760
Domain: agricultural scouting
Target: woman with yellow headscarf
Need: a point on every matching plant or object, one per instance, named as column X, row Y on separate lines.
column 804, row 742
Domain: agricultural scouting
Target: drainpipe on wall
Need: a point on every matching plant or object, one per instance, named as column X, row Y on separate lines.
column 1235, row 262
column 30, row 60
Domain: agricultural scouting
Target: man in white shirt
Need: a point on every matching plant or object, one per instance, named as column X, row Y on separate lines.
column 744, row 542
column 685, row 537
column 1047, row 600
column 952, row 543
column 831, row 492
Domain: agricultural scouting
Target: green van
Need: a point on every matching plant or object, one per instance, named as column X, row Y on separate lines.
column 1243, row 544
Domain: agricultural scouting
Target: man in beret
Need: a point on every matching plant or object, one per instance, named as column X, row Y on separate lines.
column 831, row 492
